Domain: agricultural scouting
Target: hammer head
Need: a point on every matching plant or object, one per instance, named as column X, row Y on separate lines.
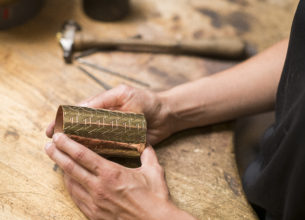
column 66, row 38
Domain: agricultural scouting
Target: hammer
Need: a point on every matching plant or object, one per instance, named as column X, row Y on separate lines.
column 71, row 39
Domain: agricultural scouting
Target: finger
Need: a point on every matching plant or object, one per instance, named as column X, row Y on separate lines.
column 84, row 208
column 153, row 171
column 79, row 153
column 69, row 166
column 80, row 196
column 149, row 157
column 50, row 129
column 84, row 103
column 76, row 190
column 110, row 99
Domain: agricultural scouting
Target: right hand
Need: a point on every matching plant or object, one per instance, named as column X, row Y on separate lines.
column 126, row 98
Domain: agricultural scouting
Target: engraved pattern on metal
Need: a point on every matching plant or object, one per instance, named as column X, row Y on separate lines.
column 104, row 124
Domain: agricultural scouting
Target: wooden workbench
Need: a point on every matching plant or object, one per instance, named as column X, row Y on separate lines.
column 199, row 163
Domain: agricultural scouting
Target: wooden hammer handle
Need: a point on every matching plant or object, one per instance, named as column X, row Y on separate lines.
column 222, row 48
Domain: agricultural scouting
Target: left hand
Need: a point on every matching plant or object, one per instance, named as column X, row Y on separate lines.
column 154, row 106
column 105, row 190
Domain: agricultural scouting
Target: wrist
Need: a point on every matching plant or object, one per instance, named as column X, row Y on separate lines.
column 187, row 104
column 170, row 211
column 167, row 111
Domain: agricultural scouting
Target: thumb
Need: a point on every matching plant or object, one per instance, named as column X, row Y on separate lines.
column 50, row 129
column 149, row 157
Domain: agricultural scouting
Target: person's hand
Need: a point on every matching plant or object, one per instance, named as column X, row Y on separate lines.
column 126, row 98
column 106, row 190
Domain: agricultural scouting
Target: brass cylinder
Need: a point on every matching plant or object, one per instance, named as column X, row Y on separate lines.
column 106, row 132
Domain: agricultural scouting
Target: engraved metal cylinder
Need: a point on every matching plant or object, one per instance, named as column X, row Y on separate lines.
column 109, row 133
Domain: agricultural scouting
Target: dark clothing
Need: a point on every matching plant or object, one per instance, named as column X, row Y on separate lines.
column 275, row 182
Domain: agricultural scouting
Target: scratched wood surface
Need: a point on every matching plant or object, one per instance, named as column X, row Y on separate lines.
column 199, row 163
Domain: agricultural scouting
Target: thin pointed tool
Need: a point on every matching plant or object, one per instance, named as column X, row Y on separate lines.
column 82, row 61
column 104, row 85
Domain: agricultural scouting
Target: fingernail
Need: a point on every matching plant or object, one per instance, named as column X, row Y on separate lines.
column 56, row 136
column 85, row 104
column 47, row 146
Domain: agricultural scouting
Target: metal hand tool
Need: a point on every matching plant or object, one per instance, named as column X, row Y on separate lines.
column 97, row 67
column 103, row 84
column 72, row 39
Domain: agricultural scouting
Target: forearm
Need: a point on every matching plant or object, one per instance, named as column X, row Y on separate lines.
column 245, row 89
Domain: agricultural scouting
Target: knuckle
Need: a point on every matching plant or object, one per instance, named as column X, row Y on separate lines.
column 103, row 197
column 68, row 167
column 127, row 90
column 79, row 155
column 112, row 176
column 99, row 194
column 60, row 140
column 86, row 180
column 106, row 174
column 50, row 151
column 117, row 176
column 96, row 169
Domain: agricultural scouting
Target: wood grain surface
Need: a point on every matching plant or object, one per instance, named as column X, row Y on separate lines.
column 199, row 163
